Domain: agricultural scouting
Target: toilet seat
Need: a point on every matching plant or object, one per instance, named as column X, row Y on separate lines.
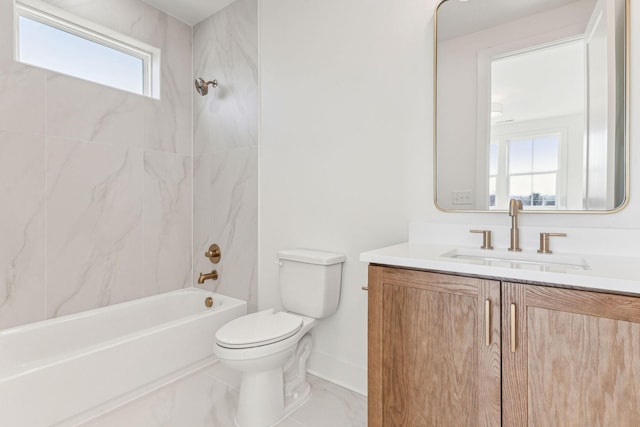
column 258, row 329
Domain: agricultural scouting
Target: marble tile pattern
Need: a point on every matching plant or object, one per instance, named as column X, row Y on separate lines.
column 209, row 396
column 168, row 185
column 225, row 47
column 225, row 148
column 6, row 41
column 22, row 227
column 96, row 183
column 226, row 212
column 89, row 112
column 94, row 225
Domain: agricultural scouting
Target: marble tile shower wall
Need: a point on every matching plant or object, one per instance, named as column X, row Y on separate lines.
column 95, row 183
column 225, row 47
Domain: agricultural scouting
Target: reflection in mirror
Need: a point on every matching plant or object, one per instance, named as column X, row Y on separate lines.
column 530, row 104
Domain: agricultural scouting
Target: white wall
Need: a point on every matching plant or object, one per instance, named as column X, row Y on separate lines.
column 344, row 88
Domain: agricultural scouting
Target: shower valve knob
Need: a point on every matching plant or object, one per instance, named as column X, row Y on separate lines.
column 214, row 254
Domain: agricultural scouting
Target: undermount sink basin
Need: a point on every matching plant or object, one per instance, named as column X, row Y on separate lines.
column 500, row 258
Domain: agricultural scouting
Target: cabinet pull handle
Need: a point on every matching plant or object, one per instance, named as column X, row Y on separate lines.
column 487, row 322
column 365, row 288
column 513, row 328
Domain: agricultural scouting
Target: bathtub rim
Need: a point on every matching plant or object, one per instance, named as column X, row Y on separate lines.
column 47, row 362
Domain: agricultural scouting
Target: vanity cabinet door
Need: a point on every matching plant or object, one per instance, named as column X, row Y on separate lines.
column 431, row 362
column 570, row 358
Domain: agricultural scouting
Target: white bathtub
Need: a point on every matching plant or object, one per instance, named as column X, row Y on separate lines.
column 64, row 370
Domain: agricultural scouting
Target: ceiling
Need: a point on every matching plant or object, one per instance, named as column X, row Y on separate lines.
column 189, row 11
column 466, row 16
column 460, row 17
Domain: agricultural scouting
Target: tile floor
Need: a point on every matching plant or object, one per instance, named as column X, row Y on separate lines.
column 208, row 397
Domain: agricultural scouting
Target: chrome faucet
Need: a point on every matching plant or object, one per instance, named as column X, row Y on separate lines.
column 515, row 206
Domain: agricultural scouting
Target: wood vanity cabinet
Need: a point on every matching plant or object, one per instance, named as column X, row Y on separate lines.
column 447, row 350
column 429, row 364
column 575, row 360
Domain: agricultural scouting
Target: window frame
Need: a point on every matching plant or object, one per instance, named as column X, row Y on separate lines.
column 64, row 21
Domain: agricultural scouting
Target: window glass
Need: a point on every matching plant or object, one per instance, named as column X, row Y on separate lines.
column 544, row 189
column 533, row 170
column 493, row 159
column 57, row 50
column 545, row 154
column 493, row 172
column 520, row 188
column 520, row 156
column 492, row 191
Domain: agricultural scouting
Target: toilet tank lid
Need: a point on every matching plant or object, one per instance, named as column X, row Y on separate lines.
column 311, row 256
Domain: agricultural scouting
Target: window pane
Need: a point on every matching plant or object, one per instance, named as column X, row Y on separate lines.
column 520, row 152
column 545, row 154
column 520, row 188
column 48, row 47
column 492, row 191
column 493, row 159
column 544, row 189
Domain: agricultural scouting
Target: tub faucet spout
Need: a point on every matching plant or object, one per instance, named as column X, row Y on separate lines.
column 213, row 276
column 515, row 206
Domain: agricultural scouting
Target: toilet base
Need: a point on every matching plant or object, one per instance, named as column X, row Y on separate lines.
column 291, row 405
column 297, row 401
column 268, row 397
column 261, row 402
column 296, row 387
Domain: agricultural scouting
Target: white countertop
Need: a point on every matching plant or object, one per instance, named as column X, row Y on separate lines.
column 606, row 272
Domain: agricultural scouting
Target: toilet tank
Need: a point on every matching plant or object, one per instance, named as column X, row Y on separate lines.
column 310, row 281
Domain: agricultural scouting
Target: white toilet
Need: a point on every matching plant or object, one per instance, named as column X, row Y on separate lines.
column 271, row 349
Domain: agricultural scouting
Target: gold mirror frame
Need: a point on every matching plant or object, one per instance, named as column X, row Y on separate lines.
column 627, row 145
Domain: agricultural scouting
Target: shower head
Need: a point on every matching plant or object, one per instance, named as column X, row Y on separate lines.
column 202, row 86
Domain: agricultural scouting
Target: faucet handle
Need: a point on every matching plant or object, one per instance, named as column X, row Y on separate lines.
column 544, row 241
column 486, row 238
column 213, row 254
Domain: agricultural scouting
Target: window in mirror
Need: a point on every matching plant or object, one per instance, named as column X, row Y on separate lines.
column 72, row 46
column 493, row 174
column 531, row 170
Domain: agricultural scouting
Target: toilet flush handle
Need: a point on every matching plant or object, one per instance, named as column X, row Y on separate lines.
column 280, row 263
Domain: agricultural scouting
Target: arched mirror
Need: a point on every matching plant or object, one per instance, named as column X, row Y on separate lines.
column 531, row 104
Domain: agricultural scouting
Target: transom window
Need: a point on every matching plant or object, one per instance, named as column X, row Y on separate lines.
column 60, row 42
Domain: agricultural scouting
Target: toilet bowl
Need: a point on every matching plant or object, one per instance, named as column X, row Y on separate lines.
column 270, row 349
column 259, row 346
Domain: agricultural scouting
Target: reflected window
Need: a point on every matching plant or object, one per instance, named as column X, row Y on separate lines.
column 493, row 174
column 527, row 167
column 532, row 170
